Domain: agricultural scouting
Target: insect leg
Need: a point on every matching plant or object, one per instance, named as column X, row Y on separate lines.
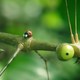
column 46, row 65
column 11, row 59
column 76, row 33
column 70, row 26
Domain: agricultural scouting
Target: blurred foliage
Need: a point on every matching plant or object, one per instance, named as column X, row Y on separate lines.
column 48, row 21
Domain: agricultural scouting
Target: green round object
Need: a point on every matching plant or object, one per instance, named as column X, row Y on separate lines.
column 65, row 52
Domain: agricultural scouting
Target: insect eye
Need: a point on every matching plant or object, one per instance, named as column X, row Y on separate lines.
column 65, row 52
column 25, row 35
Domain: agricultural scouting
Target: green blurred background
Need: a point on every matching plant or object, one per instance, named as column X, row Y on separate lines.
column 47, row 19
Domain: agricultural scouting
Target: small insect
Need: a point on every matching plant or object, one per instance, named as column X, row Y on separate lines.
column 67, row 51
column 27, row 34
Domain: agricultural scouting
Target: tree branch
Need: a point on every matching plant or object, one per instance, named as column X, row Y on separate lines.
column 29, row 44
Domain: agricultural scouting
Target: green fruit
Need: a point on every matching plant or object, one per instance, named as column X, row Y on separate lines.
column 65, row 52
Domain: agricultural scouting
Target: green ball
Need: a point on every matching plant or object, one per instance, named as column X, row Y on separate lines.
column 65, row 52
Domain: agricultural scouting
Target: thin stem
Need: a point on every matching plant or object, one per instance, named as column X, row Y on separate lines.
column 70, row 26
column 46, row 65
column 76, row 34
column 68, row 16
column 11, row 59
column 47, row 69
column 75, row 16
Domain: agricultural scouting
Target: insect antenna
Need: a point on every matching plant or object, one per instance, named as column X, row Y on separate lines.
column 70, row 26
column 76, row 34
column 11, row 59
column 46, row 65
